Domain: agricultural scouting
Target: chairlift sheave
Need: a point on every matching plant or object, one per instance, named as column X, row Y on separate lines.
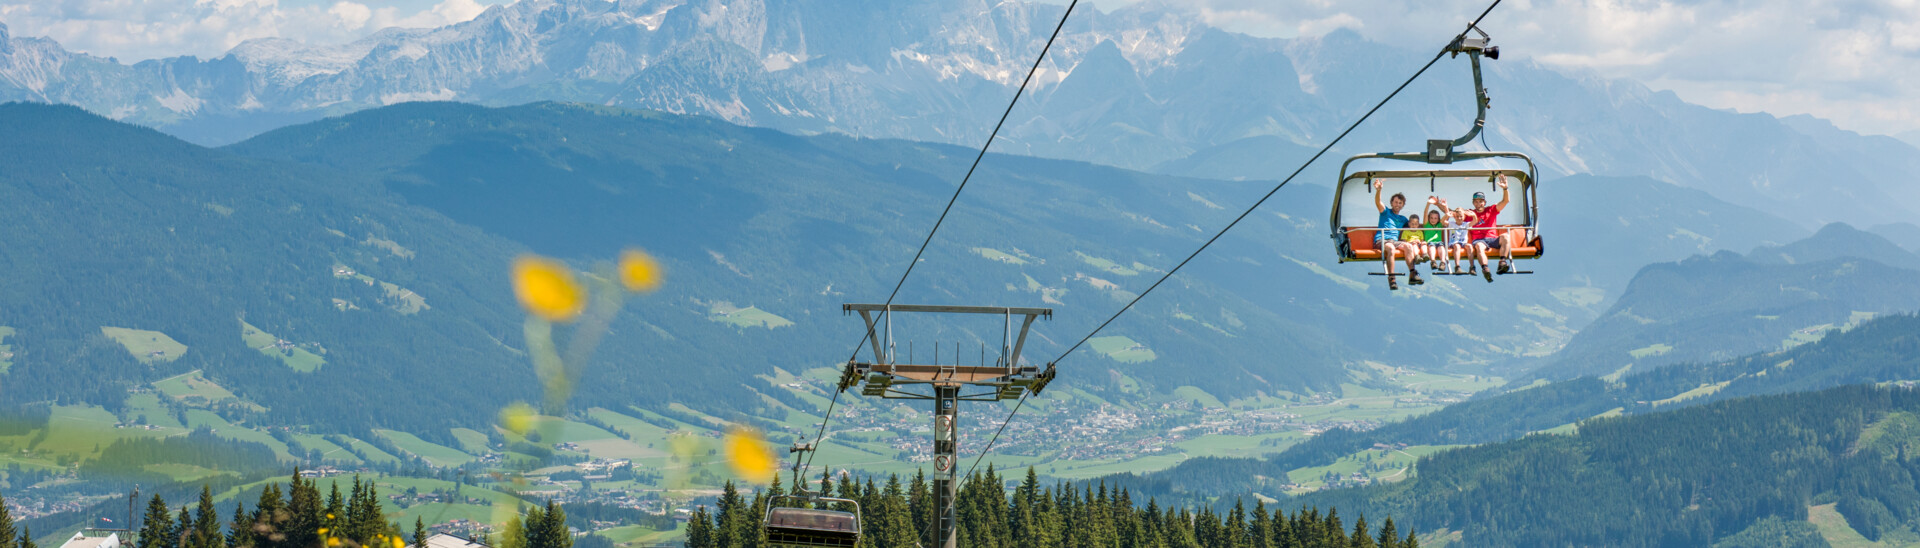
column 1354, row 221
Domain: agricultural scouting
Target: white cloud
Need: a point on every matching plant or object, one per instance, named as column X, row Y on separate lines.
column 1856, row 62
column 352, row 15
column 134, row 30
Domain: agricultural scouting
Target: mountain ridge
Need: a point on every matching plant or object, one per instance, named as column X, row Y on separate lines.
column 933, row 72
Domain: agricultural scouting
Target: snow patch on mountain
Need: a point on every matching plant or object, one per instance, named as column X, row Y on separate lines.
column 442, row 94
column 287, row 62
column 179, row 101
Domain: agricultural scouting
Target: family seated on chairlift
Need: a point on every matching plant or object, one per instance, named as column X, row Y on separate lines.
column 1443, row 236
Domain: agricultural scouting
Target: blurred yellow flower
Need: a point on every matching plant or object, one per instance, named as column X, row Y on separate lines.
column 748, row 454
column 517, row 418
column 640, row 271
column 333, row 541
column 397, row 543
column 547, row 289
column 323, row 530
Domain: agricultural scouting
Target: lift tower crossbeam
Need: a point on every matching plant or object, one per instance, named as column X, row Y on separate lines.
column 1007, row 378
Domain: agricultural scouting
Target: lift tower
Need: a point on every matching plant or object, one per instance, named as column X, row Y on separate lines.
column 1006, row 378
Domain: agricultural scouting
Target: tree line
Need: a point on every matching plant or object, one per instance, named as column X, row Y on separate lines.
column 300, row 516
column 901, row 515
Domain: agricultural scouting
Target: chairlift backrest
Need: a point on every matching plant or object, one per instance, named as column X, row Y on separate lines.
column 1456, row 187
column 811, row 527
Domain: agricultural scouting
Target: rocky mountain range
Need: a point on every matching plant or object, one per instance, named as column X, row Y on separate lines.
column 1138, row 87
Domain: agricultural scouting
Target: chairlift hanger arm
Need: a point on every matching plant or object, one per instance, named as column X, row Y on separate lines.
column 1474, row 48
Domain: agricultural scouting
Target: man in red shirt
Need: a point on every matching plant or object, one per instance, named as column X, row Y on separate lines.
column 1484, row 236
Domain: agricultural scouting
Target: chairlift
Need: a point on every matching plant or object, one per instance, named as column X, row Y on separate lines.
column 792, row 527
column 1354, row 221
column 796, row 526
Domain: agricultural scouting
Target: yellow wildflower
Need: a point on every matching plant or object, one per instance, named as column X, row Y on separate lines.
column 517, row 418
column 748, row 454
column 640, row 271
column 547, row 289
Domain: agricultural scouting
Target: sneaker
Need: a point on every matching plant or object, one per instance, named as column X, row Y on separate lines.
column 1488, row 274
column 1392, row 284
column 1458, row 272
column 1413, row 278
column 1506, row 266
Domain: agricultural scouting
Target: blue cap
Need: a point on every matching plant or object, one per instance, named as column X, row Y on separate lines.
column 1479, row 195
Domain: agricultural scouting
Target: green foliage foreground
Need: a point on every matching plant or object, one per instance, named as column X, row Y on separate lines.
column 901, row 516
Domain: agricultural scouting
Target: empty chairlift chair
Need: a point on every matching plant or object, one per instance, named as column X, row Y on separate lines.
column 809, row 527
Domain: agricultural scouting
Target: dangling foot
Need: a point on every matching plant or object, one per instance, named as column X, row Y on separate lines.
column 1413, row 277
column 1392, row 284
column 1506, row 266
column 1487, row 273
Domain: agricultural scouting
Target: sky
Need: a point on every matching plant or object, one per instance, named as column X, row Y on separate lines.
column 1856, row 62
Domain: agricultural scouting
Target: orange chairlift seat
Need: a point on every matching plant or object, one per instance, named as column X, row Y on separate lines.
column 1355, row 221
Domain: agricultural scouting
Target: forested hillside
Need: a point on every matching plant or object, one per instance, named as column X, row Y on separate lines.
column 1683, row 478
column 370, row 251
column 1712, row 308
column 134, row 257
column 1881, row 350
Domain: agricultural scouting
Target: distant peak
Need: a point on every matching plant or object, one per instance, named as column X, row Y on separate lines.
column 1838, row 229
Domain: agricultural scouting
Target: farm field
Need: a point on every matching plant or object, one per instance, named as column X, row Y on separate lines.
column 146, row 346
column 296, row 357
column 435, row 454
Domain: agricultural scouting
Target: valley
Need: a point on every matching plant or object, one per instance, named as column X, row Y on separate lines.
column 580, row 274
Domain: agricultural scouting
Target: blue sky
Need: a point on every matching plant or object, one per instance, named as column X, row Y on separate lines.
column 1856, row 62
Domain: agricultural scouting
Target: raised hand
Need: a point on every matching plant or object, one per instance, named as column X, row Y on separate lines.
column 1503, row 181
column 1377, row 183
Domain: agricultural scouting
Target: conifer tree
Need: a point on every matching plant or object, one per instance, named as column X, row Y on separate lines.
column 1333, row 533
column 206, row 524
column 269, row 519
column 533, row 527
column 240, row 530
column 26, row 538
column 726, row 523
column 1127, row 525
column 419, row 533
column 1411, row 541
column 6, row 523
column 700, row 529
column 335, row 518
column 1360, row 538
column 1236, row 527
column 183, row 529
column 1022, row 512
column 1260, row 531
column 513, row 534
column 304, row 514
column 156, row 528
column 547, row 528
column 894, row 522
column 1389, row 537
column 919, row 500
